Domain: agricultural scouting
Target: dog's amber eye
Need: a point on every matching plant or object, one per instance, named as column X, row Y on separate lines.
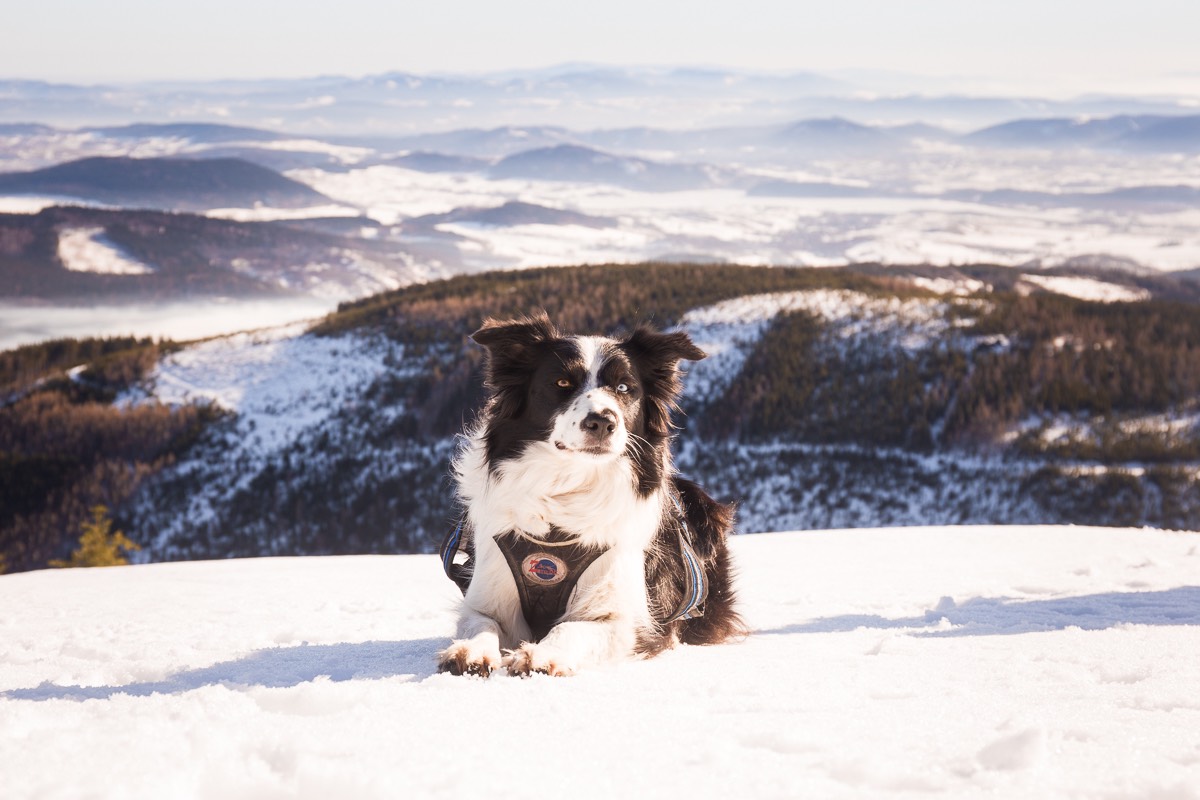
column 563, row 383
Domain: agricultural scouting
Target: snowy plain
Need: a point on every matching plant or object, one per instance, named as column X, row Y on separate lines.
column 953, row 662
column 25, row 323
column 907, row 221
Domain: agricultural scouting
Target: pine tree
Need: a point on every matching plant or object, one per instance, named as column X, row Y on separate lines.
column 99, row 546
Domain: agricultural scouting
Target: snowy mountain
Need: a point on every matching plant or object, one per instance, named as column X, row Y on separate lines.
column 86, row 255
column 968, row 662
column 830, row 398
column 797, row 190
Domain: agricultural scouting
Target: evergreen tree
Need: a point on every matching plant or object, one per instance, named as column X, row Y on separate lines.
column 99, row 546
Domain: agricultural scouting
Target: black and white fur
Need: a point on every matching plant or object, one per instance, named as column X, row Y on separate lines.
column 576, row 434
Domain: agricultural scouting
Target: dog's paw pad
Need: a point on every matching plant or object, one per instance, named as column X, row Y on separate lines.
column 460, row 659
column 528, row 659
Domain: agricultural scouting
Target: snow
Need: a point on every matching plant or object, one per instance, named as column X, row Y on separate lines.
column 27, row 323
column 912, row 220
column 956, row 286
column 279, row 383
column 89, row 250
column 263, row 213
column 727, row 331
column 962, row 662
column 1088, row 288
column 32, row 204
column 345, row 154
column 261, row 371
column 729, row 224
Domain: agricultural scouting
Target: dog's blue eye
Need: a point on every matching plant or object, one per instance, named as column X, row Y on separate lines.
column 622, row 388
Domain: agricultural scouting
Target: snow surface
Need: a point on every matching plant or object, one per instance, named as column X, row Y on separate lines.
column 732, row 225
column 727, row 331
column 279, row 382
column 25, row 323
column 263, row 213
column 955, row 286
column 32, row 204
column 89, row 250
column 955, row 662
column 1088, row 288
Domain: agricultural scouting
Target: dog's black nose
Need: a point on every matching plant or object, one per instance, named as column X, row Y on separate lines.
column 599, row 424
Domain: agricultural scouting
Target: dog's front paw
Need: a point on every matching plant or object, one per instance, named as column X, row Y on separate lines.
column 530, row 658
column 464, row 657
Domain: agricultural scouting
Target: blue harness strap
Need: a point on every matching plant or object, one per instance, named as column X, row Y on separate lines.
column 695, row 589
column 457, row 571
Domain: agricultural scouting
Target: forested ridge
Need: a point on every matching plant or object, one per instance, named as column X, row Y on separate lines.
column 1087, row 412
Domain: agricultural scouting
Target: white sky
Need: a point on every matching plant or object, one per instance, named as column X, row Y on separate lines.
column 1031, row 45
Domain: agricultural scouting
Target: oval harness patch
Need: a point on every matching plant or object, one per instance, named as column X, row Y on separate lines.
column 544, row 569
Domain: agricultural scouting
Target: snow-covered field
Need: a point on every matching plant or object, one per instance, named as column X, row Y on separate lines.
column 952, row 662
column 721, row 223
column 1087, row 288
column 26, row 323
column 89, row 250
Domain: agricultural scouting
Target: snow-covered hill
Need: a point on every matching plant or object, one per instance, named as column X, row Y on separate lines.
column 955, row 662
column 334, row 443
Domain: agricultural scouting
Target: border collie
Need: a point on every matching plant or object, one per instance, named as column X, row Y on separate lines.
column 579, row 544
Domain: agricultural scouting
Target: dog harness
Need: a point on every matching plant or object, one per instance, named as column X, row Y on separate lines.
column 546, row 571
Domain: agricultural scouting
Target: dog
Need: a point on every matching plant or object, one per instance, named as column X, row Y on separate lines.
column 581, row 544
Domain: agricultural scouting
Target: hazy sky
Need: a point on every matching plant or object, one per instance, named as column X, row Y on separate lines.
column 1052, row 45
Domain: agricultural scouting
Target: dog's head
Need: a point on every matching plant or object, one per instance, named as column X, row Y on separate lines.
column 589, row 397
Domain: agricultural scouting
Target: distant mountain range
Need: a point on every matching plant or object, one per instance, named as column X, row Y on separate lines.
column 549, row 150
column 582, row 96
column 513, row 213
column 167, row 183
column 806, row 138
column 1133, row 133
column 824, row 190
column 198, row 132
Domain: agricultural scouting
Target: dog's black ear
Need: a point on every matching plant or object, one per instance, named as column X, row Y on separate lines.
column 514, row 335
column 656, row 358
column 513, row 346
column 663, row 348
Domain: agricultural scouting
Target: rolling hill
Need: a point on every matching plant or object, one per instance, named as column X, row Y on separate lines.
column 165, row 183
column 566, row 162
column 182, row 256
